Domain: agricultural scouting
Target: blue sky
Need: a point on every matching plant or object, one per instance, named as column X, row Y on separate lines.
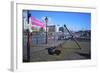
column 74, row 20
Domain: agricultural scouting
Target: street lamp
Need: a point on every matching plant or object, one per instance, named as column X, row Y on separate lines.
column 46, row 20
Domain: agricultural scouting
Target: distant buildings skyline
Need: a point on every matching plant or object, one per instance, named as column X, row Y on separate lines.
column 75, row 21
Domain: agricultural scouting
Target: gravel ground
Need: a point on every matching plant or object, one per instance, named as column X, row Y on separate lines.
column 70, row 51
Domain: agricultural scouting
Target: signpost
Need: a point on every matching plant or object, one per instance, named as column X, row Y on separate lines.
column 28, row 46
column 28, row 36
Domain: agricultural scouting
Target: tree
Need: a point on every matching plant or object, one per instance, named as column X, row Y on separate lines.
column 61, row 29
column 41, row 30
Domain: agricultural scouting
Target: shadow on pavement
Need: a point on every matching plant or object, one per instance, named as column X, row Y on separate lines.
column 86, row 55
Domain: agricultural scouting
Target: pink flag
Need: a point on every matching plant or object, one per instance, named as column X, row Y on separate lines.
column 37, row 22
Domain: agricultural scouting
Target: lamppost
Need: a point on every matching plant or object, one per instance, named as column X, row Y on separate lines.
column 46, row 20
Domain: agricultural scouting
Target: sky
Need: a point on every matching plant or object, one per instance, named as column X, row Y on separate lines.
column 73, row 20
